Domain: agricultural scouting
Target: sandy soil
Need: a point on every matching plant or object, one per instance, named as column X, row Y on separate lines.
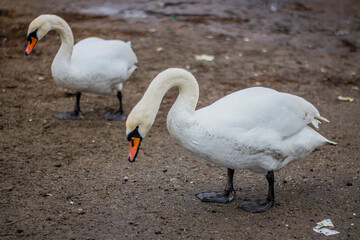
column 66, row 179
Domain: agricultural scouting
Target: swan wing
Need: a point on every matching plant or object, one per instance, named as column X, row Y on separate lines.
column 96, row 55
column 261, row 109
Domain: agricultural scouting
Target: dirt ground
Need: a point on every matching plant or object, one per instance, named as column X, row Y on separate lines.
column 71, row 179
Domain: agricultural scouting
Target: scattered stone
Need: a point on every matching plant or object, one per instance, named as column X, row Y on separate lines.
column 81, row 211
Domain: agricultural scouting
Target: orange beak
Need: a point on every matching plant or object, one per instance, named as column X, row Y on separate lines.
column 134, row 148
column 31, row 45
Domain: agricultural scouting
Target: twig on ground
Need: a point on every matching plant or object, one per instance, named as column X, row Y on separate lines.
column 19, row 220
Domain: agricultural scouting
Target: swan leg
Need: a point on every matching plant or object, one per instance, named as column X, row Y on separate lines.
column 262, row 205
column 221, row 197
column 74, row 115
column 119, row 115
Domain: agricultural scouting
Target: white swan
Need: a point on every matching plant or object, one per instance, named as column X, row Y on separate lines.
column 93, row 65
column 258, row 128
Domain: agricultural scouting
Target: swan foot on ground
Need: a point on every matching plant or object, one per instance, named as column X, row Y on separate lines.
column 74, row 115
column 261, row 205
column 68, row 116
column 221, row 197
column 257, row 206
column 117, row 116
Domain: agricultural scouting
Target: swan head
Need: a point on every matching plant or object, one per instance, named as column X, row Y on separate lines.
column 138, row 124
column 143, row 115
column 38, row 28
column 135, row 139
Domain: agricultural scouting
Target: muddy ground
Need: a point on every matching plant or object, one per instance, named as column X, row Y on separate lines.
column 66, row 179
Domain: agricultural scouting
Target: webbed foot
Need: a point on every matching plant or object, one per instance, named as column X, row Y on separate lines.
column 117, row 116
column 68, row 116
column 219, row 197
column 261, row 205
column 257, row 206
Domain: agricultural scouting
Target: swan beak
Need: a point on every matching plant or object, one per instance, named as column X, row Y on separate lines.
column 31, row 44
column 134, row 148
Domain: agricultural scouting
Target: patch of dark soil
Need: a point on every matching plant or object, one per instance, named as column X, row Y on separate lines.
column 352, row 47
column 76, row 17
column 338, row 81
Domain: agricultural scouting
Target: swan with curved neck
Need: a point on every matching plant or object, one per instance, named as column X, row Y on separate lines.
column 92, row 65
column 259, row 129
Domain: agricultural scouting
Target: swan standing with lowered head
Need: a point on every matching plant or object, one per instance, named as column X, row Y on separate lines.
column 257, row 128
column 93, row 65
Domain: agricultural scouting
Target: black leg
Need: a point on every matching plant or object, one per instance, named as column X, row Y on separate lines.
column 119, row 96
column 77, row 103
column 229, row 187
column 270, row 178
column 75, row 115
column 262, row 205
column 221, row 197
column 119, row 115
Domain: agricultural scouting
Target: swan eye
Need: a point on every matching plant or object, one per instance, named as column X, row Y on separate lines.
column 32, row 35
column 134, row 134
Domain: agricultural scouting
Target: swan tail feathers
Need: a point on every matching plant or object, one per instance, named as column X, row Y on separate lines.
column 331, row 142
column 321, row 118
column 317, row 120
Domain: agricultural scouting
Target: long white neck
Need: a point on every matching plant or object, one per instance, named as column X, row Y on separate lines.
column 67, row 39
column 184, row 105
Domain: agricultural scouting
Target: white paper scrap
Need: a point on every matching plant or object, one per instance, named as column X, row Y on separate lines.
column 326, row 231
column 204, row 57
column 345, row 99
column 321, row 227
column 324, row 223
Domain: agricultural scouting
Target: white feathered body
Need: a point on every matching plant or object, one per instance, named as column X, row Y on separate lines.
column 96, row 65
column 259, row 129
